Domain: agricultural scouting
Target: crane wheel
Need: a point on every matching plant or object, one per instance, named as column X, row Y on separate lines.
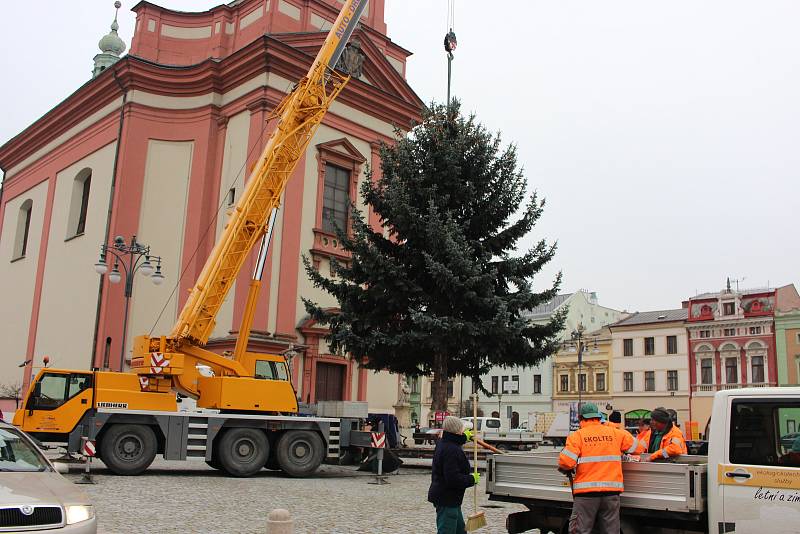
column 300, row 452
column 128, row 449
column 243, row 451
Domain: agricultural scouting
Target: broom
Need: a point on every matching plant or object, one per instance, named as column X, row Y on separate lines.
column 477, row 519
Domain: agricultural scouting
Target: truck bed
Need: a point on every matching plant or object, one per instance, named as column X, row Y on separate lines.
column 678, row 487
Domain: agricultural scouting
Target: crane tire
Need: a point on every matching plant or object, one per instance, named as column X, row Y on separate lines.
column 128, row 449
column 243, row 451
column 300, row 452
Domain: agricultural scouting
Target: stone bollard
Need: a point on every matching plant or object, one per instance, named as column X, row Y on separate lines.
column 279, row 521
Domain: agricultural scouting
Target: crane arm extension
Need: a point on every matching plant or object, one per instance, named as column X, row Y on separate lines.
column 299, row 115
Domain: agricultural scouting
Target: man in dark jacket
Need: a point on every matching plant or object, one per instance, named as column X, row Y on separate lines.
column 450, row 477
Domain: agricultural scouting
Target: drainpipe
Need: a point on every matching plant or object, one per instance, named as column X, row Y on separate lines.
column 108, row 215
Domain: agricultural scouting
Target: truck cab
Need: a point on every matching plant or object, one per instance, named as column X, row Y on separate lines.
column 754, row 478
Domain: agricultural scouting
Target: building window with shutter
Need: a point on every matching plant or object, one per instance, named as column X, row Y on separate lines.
column 582, row 381
column 564, row 385
column 672, row 380
column 731, row 368
column 600, row 381
column 706, row 373
column 335, row 199
column 649, row 380
column 627, row 347
column 649, row 346
column 627, row 379
column 672, row 344
column 757, row 369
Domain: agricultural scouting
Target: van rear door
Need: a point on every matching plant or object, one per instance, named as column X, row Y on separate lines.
column 760, row 482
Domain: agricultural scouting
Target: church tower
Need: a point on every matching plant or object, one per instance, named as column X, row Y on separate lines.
column 111, row 47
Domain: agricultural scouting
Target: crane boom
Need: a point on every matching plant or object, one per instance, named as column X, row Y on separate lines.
column 299, row 115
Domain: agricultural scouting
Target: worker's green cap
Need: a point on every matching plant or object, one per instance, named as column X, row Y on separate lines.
column 796, row 445
column 589, row 411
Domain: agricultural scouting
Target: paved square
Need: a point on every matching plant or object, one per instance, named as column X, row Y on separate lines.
column 191, row 497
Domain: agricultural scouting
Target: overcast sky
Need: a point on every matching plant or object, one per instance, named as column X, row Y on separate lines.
column 663, row 135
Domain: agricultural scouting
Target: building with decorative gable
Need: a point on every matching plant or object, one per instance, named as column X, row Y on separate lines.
column 158, row 145
column 732, row 342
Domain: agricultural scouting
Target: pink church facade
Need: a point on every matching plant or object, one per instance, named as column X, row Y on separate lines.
column 158, row 146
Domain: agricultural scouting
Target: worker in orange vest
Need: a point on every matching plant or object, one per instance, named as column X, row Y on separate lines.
column 644, row 430
column 595, row 452
column 666, row 439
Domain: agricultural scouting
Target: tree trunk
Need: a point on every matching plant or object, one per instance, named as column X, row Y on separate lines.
column 439, row 384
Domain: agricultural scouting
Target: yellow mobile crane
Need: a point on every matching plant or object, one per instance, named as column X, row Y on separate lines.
column 133, row 416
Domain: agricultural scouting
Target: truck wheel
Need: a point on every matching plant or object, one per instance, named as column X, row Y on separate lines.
column 128, row 449
column 243, row 451
column 300, row 452
column 502, row 447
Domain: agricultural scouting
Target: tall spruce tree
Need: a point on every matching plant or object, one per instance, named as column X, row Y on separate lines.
column 443, row 291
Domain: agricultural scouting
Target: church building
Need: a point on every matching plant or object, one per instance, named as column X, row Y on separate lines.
column 157, row 145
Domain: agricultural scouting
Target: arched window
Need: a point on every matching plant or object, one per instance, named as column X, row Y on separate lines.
column 79, row 203
column 23, row 229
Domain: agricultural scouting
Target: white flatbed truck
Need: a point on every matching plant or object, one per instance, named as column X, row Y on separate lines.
column 748, row 483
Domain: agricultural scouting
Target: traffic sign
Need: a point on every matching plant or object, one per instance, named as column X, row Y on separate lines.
column 378, row 440
column 89, row 448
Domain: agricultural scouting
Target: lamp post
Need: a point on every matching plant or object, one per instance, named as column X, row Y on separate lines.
column 577, row 338
column 132, row 257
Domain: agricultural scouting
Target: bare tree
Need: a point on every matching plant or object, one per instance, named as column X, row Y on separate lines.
column 11, row 391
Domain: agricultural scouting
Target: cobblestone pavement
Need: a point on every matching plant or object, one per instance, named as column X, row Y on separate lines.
column 191, row 497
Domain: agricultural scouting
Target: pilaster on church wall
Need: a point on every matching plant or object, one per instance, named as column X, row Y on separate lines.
column 18, row 281
column 68, row 284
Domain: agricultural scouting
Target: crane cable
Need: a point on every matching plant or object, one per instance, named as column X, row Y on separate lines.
column 451, row 15
column 450, row 43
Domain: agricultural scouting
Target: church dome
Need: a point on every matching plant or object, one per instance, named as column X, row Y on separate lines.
column 112, row 43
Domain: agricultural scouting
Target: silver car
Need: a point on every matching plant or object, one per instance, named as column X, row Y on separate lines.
column 34, row 496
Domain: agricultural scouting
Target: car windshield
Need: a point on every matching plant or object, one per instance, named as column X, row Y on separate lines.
column 17, row 454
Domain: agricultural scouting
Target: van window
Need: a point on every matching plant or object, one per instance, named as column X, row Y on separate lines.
column 492, row 423
column 760, row 432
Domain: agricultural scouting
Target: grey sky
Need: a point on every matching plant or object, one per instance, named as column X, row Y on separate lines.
column 663, row 135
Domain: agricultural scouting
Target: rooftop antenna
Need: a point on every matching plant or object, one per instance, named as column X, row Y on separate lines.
column 736, row 280
column 450, row 44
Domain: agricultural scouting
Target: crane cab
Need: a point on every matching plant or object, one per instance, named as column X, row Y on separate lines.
column 268, row 388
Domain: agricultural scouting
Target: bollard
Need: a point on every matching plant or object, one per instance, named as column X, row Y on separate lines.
column 279, row 521
column 86, row 478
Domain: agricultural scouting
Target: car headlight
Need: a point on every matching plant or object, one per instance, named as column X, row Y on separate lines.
column 79, row 512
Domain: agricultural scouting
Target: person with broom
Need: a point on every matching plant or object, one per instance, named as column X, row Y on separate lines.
column 451, row 476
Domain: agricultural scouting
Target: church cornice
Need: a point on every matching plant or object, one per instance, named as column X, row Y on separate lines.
column 265, row 55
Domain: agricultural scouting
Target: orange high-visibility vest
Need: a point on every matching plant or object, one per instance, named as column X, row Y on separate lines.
column 643, row 439
column 595, row 452
column 672, row 444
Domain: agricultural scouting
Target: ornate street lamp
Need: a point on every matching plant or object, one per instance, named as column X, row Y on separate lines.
column 132, row 257
column 577, row 338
